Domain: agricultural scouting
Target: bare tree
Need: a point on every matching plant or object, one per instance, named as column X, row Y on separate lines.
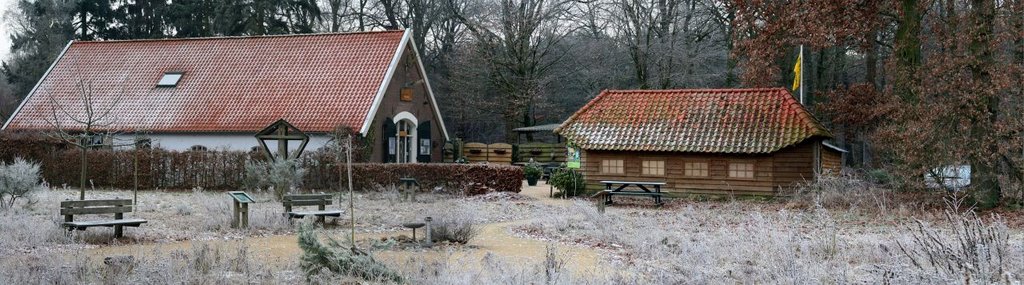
column 83, row 122
column 662, row 37
column 518, row 43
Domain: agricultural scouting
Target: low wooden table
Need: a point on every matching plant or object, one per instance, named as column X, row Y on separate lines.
column 612, row 188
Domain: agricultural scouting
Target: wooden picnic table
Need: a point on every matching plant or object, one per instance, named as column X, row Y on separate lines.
column 612, row 187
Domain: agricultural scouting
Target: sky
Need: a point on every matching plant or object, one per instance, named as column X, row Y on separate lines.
column 5, row 35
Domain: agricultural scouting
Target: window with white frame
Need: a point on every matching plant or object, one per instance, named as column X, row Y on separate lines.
column 170, row 79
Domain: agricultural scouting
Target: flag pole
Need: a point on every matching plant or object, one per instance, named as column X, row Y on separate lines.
column 801, row 75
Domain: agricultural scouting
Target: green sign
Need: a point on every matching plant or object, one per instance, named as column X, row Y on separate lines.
column 241, row 197
column 572, row 157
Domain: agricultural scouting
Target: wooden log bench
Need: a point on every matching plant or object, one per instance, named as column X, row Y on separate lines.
column 89, row 207
column 300, row 200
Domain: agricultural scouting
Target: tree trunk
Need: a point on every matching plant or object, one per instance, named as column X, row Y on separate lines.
column 871, row 60
column 908, row 50
column 84, row 169
column 985, row 171
column 731, row 62
column 84, row 16
column 335, row 15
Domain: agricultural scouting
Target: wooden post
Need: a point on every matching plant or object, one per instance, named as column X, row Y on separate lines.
column 351, row 193
column 282, row 144
column 428, row 235
column 118, row 230
column 244, row 214
column 321, row 219
column 234, row 213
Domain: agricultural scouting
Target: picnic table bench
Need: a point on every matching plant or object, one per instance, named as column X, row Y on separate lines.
column 319, row 200
column 89, row 207
column 612, row 188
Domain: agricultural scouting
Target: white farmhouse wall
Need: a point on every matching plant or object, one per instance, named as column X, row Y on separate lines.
column 233, row 142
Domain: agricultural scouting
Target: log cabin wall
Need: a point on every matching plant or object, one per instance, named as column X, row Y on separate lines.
column 784, row 168
column 832, row 162
column 794, row 164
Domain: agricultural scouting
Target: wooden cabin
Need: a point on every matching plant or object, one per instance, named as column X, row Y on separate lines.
column 701, row 141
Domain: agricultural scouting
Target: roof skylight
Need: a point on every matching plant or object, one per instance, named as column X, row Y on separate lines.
column 170, row 79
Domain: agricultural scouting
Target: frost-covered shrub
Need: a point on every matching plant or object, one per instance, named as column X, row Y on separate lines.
column 454, row 226
column 279, row 176
column 17, row 180
column 973, row 251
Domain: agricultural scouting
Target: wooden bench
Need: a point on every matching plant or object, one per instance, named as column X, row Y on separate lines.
column 319, row 200
column 88, row 207
column 613, row 188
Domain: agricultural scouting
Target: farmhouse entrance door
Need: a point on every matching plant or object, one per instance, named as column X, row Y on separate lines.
column 406, row 134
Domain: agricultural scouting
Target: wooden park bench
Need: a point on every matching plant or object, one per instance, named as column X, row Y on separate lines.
column 319, row 200
column 87, row 207
column 613, row 188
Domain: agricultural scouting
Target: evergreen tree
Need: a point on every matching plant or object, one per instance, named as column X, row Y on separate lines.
column 41, row 30
column 141, row 19
column 94, row 19
column 191, row 18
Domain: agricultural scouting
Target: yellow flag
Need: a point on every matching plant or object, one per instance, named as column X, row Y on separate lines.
column 796, row 72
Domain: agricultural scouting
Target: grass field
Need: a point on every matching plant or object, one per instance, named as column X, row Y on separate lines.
column 526, row 238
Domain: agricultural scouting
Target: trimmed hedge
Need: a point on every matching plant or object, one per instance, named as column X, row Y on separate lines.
column 225, row 170
column 502, row 178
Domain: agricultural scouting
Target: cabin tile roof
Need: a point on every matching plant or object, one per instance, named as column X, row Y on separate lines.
column 230, row 84
column 698, row 120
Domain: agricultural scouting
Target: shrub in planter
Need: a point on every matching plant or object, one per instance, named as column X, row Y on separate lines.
column 532, row 171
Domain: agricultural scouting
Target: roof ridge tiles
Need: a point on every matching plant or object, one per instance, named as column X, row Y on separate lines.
column 240, row 37
column 694, row 90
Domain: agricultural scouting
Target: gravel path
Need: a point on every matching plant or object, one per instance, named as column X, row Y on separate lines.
column 494, row 239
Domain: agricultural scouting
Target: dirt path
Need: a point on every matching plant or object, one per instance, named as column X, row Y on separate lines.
column 496, row 238
column 541, row 192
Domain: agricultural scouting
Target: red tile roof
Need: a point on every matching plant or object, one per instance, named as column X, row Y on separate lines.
column 700, row 120
column 230, row 84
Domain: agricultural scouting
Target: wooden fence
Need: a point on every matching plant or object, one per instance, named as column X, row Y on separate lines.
column 503, row 153
column 541, row 152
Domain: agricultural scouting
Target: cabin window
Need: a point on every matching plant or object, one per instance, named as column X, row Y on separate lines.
column 612, row 166
column 169, row 79
column 653, row 167
column 741, row 169
column 695, row 169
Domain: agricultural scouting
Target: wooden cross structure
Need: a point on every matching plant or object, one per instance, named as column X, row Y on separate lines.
column 282, row 132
